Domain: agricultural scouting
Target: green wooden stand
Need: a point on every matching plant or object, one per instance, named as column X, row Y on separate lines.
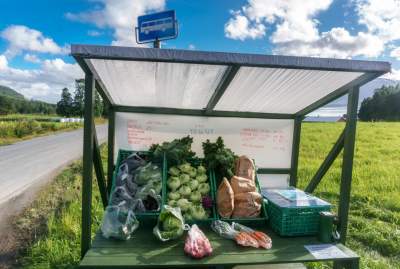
column 143, row 250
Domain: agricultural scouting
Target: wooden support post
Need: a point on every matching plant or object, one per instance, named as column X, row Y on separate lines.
column 295, row 150
column 326, row 164
column 347, row 166
column 98, row 168
column 227, row 78
column 87, row 164
column 111, row 141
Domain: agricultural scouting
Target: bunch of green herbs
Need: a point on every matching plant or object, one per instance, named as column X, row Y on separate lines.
column 219, row 158
column 177, row 151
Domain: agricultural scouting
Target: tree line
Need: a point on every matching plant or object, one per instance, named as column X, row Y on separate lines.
column 11, row 105
column 73, row 105
column 384, row 105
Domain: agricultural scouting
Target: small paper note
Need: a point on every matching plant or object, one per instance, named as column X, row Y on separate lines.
column 325, row 251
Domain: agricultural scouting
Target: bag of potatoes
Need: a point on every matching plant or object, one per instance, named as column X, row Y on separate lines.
column 241, row 185
column 244, row 167
column 247, row 205
column 225, row 200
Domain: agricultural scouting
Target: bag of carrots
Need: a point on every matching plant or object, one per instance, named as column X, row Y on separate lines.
column 263, row 240
column 242, row 235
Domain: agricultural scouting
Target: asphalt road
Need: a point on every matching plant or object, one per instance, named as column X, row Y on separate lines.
column 26, row 165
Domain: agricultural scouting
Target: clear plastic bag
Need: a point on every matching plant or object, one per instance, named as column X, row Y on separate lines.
column 170, row 224
column 139, row 184
column 197, row 244
column 263, row 240
column 243, row 235
column 128, row 169
column 223, row 229
column 119, row 195
column 150, row 199
column 119, row 222
column 146, row 173
column 134, row 161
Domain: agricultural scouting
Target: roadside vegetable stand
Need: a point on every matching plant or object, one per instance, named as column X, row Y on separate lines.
column 204, row 94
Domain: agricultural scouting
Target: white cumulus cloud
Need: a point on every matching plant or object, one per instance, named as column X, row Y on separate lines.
column 394, row 75
column 33, row 58
column 336, row 43
column 395, row 53
column 119, row 15
column 239, row 27
column 381, row 17
column 94, row 33
column 44, row 83
column 22, row 38
column 3, row 62
column 294, row 27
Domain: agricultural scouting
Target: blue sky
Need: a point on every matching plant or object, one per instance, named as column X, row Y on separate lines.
column 35, row 35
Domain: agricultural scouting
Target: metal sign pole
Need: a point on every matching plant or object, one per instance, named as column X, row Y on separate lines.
column 157, row 44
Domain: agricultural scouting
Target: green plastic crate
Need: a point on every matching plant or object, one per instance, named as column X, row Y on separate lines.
column 289, row 218
column 258, row 221
column 122, row 155
column 212, row 191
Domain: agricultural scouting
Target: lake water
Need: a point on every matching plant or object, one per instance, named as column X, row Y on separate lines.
column 326, row 114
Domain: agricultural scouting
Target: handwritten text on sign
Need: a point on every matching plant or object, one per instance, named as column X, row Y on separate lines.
column 268, row 141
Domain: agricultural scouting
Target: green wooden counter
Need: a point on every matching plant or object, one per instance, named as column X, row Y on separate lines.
column 144, row 250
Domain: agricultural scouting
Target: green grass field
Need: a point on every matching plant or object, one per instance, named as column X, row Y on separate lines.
column 374, row 227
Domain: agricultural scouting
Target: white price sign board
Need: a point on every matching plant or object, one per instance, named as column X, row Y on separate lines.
column 325, row 251
column 268, row 141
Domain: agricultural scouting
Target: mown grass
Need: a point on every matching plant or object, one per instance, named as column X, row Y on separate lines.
column 374, row 226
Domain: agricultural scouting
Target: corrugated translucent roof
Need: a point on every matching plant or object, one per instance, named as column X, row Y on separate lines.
column 155, row 84
column 215, row 81
column 278, row 90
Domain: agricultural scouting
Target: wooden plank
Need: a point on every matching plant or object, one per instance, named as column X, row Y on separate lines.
column 132, row 261
column 87, row 174
column 201, row 112
column 144, row 250
column 273, row 266
column 222, row 86
column 347, row 165
column 111, row 142
column 326, row 164
column 274, row 171
column 98, row 168
column 295, row 151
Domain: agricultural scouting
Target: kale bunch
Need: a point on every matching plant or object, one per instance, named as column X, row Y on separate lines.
column 219, row 158
column 177, row 151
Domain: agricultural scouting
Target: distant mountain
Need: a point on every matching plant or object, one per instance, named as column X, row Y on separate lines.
column 6, row 91
column 14, row 102
column 365, row 91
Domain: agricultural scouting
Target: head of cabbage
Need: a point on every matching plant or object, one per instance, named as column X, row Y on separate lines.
column 170, row 224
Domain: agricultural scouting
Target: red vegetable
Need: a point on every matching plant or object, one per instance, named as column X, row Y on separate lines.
column 245, row 239
column 197, row 244
column 207, row 202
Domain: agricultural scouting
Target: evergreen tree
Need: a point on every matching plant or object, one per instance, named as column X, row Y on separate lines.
column 98, row 105
column 64, row 106
column 79, row 96
column 383, row 105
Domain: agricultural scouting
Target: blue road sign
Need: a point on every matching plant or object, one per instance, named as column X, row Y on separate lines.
column 156, row 26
